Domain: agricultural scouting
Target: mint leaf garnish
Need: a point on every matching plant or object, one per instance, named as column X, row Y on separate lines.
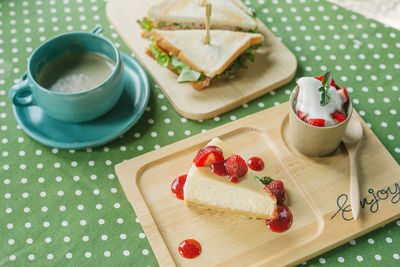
column 264, row 180
column 325, row 94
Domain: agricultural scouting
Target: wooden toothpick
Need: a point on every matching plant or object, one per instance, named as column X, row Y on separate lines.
column 203, row 2
column 208, row 15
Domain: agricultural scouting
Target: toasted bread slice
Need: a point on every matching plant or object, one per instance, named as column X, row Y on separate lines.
column 226, row 14
column 210, row 59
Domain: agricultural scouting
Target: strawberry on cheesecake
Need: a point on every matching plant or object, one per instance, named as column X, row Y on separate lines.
column 220, row 180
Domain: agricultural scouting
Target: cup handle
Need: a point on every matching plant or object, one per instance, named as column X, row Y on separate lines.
column 21, row 94
column 97, row 30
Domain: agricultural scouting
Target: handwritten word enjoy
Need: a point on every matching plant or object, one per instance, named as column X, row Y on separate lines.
column 372, row 201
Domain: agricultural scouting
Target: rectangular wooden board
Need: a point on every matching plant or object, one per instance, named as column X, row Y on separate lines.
column 273, row 67
column 317, row 189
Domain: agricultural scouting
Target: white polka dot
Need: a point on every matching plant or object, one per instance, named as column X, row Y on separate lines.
column 378, row 257
column 126, row 252
column 85, row 238
column 396, row 256
column 371, row 241
column 88, row 254
column 359, row 258
column 82, row 222
column 68, row 255
column 67, row 239
column 122, row 236
column 107, row 253
column 145, row 252
column 31, row 257
column 50, row 256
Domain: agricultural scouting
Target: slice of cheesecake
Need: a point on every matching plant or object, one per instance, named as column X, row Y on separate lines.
column 248, row 198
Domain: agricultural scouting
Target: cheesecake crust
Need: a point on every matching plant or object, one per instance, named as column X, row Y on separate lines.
column 250, row 215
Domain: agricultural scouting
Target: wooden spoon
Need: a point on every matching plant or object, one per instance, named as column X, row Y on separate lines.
column 352, row 140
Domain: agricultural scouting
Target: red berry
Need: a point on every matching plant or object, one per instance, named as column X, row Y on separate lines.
column 208, row 155
column 301, row 115
column 234, row 179
column 343, row 94
column 332, row 82
column 278, row 190
column 236, row 166
column 339, row 116
column 317, row 122
column 219, row 168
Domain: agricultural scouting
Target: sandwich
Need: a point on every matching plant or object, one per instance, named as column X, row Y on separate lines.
column 184, row 53
column 189, row 14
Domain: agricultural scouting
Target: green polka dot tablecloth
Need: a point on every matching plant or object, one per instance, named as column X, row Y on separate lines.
column 66, row 207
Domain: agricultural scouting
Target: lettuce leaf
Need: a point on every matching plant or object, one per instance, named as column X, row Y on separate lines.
column 161, row 57
column 189, row 75
column 146, row 24
column 186, row 74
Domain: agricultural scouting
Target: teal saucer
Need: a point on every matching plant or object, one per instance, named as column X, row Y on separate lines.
column 118, row 120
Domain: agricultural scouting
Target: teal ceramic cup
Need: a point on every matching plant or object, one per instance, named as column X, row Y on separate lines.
column 71, row 107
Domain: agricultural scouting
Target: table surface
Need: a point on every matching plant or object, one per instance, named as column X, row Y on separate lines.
column 62, row 207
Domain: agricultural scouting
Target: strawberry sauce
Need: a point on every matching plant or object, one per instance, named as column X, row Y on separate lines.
column 177, row 186
column 283, row 222
column 189, row 248
column 255, row 163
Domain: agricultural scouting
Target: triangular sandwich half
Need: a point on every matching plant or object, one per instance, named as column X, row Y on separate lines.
column 184, row 52
column 247, row 198
column 190, row 14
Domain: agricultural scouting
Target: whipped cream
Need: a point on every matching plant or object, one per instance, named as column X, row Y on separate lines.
column 309, row 97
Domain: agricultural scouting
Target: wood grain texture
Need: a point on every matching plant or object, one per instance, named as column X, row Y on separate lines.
column 273, row 67
column 313, row 186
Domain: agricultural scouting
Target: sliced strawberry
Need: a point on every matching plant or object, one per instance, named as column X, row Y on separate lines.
column 236, row 166
column 278, row 190
column 332, row 82
column 234, row 179
column 208, row 155
column 343, row 94
column 301, row 115
column 219, row 168
column 339, row 116
column 317, row 122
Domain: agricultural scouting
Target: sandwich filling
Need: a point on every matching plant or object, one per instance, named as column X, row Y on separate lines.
column 147, row 25
column 187, row 74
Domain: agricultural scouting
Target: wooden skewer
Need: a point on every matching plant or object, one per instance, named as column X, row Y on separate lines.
column 203, row 2
column 208, row 15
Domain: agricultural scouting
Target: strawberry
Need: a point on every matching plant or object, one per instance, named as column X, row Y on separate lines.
column 301, row 115
column 343, row 94
column 236, row 166
column 208, row 155
column 339, row 116
column 332, row 82
column 278, row 190
column 234, row 179
column 317, row 122
column 219, row 168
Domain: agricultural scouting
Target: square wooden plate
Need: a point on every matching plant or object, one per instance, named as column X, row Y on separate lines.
column 273, row 67
column 317, row 190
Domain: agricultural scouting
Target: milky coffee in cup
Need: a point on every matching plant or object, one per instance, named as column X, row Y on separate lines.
column 76, row 72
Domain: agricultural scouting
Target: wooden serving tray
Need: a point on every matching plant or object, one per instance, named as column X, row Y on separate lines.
column 317, row 191
column 273, row 67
